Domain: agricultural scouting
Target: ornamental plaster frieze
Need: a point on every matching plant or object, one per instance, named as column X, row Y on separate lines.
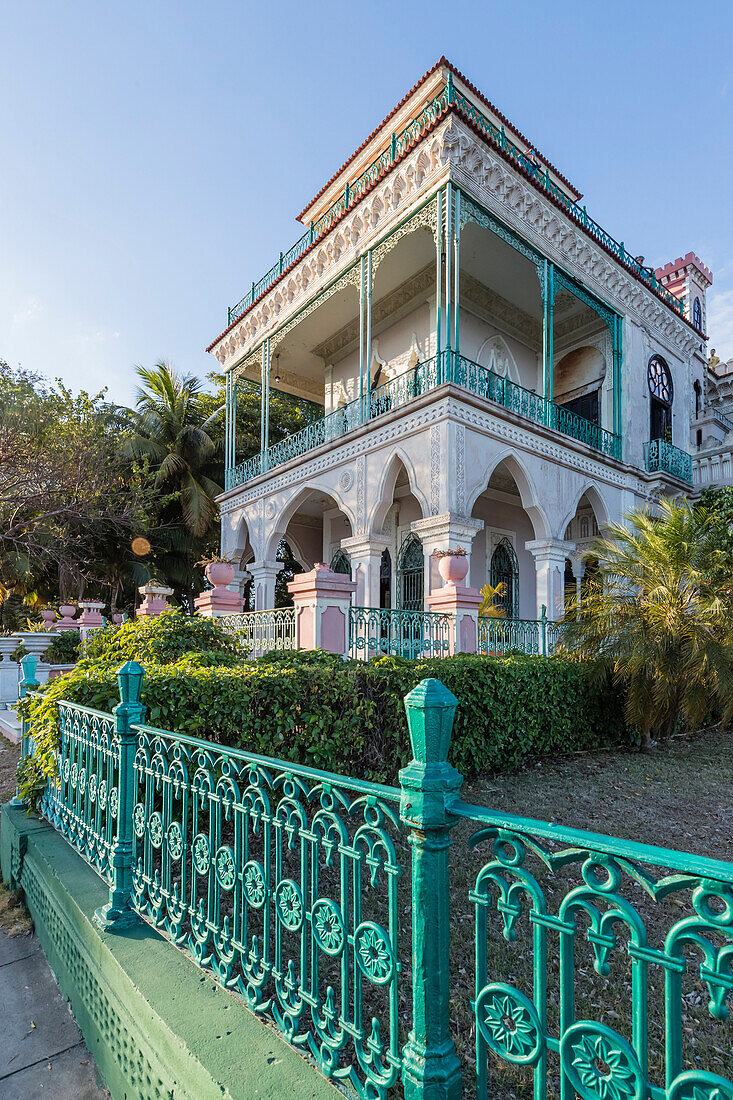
column 378, row 214
column 535, row 444
column 500, row 189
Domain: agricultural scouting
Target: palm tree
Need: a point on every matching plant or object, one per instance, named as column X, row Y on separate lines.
column 659, row 615
column 173, row 434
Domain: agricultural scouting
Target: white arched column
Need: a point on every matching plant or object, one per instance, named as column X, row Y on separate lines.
column 448, row 531
column 264, row 575
column 549, row 557
column 365, row 554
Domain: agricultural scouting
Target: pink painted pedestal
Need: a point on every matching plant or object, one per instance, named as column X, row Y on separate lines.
column 155, row 600
column 219, row 600
column 322, row 600
column 463, row 604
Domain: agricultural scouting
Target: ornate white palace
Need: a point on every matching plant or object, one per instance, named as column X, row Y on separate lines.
column 494, row 370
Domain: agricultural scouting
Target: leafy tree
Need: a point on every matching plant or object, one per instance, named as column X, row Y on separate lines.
column 720, row 504
column 68, row 506
column 659, row 615
column 181, row 440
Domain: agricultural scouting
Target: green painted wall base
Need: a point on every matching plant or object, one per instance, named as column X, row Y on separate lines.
column 156, row 1025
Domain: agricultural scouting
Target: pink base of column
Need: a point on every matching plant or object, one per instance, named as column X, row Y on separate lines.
column 155, row 600
column 219, row 601
column 463, row 604
column 322, row 600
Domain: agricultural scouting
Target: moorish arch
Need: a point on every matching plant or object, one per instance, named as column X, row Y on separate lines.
column 587, row 500
column 512, row 519
column 303, row 521
column 525, row 487
column 400, row 469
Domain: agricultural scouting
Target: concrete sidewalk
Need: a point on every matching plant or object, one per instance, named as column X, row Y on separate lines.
column 42, row 1052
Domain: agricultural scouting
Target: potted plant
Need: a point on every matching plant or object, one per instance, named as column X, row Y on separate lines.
column 219, row 569
column 452, row 565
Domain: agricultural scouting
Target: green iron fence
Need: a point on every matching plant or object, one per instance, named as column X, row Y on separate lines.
column 377, row 632
column 285, row 883
column 400, row 143
column 421, row 379
column 261, row 632
column 661, row 456
column 538, row 637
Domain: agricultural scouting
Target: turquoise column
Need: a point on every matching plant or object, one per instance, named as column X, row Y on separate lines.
column 368, row 340
column 430, row 1067
column 362, row 334
column 267, row 402
column 28, row 682
column 457, row 273
column 118, row 912
column 438, row 278
column 617, row 361
column 548, row 312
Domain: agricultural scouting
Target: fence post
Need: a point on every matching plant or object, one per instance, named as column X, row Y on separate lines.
column 118, row 912
column 431, row 1068
column 543, row 628
column 28, row 682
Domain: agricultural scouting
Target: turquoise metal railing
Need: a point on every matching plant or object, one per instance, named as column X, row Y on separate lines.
column 479, row 380
column 445, row 367
column 499, row 636
column 287, row 885
column 376, row 632
column 84, row 802
column 612, row 906
column 261, row 632
column 661, row 456
column 399, row 144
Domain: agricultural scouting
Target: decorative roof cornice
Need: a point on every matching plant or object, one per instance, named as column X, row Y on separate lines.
column 443, row 62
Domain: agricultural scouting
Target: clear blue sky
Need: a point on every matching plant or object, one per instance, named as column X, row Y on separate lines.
column 154, row 155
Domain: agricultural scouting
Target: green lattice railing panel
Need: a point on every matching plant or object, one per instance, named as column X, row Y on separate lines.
column 377, row 632
column 261, row 632
column 663, row 918
column 661, row 456
column 83, row 802
column 282, row 881
column 499, row 636
column 413, row 383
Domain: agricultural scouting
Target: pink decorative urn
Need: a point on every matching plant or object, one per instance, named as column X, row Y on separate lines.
column 48, row 615
column 67, row 621
column 219, row 573
column 453, row 568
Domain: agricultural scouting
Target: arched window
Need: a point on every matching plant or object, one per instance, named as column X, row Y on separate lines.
column 385, row 580
column 341, row 563
column 698, row 394
column 505, row 571
column 661, row 390
column 410, row 575
column 697, row 314
column 584, row 527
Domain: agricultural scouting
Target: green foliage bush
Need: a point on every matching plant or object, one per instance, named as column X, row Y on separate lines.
column 64, row 648
column 162, row 640
column 348, row 717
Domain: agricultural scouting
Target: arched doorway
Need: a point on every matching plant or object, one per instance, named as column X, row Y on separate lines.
column 505, row 572
column 661, row 390
column 410, row 575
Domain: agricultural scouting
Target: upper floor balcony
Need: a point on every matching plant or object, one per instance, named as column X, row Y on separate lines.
column 660, row 456
column 445, row 367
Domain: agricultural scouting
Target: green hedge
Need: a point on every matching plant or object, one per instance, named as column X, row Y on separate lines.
column 348, row 717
